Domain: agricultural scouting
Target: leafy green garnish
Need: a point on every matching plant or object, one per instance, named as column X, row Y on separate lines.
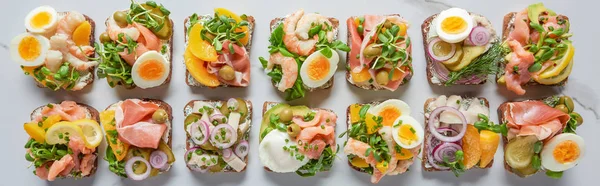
column 115, row 166
column 65, row 77
column 555, row 175
column 391, row 52
column 220, row 28
column 551, row 101
column 457, row 167
column 324, row 163
column 112, row 66
column 146, row 16
column 485, row 124
column 481, row 66
column 571, row 126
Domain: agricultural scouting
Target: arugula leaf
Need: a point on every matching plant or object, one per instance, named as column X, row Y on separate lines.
column 115, row 166
column 326, row 52
column 263, row 62
column 485, row 124
column 324, row 163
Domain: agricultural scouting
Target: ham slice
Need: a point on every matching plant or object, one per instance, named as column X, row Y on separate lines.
column 68, row 110
column 534, row 118
column 523, row 60
column 353, row 61
column 134, row 112
column 239, row 61
column 134, row 124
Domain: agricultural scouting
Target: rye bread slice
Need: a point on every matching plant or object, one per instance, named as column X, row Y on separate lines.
column 349, row 75
column 189, row 80
column 507, row 27
column 91, row 113
column 349, row 123
column 425, row 159
column 90, row 79
column 248, row 118
column 335, row 25
column 268, row 104
column 425, row 31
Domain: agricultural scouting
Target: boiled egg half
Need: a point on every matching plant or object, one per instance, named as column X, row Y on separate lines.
column 29, row 50
column 407, row 132
column 562, row 152
column 317, row 69
column 454, row 25
column 390, row 110
column 272, row 153
column 151, row 69
column 41, row 20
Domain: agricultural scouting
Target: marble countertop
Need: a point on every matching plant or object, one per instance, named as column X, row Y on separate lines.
column 19, row 94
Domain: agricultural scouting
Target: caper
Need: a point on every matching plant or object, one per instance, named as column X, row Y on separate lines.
column 371, row 51
column 562, row 108
column 293, row 130
column 286, row 115
column 382, row 77
column 105, row 38
column 121, row 18
column 568, row 102
column 160, row 116
column 226, row 72
column 577, row 117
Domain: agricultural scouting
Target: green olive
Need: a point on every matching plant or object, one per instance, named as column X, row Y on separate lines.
column 293, row 130
column 371, row 51
column 577, row 117
column 105, row 38
column 121, row 18
column 382, row 77
column 562, row 108
column 568, row 102
column 227, row 73
column 160, row 116
column 387, row 24
column 286, row 115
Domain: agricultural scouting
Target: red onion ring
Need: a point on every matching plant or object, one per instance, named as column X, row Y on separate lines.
column 158, row 159
column 227, row 153
column 433, row 142
column 191, row 166
column 479, row 36
column 230, row 136
column 217, row 116
column 232, row 103
column 200, row 127
column 241, row 149
column 446, row 150
column 434, row 115
column 431, row 54
column 133, row 175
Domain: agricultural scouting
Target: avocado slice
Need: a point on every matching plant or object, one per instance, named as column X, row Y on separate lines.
column 534, row 11
column 265, row 120
column 300, row 110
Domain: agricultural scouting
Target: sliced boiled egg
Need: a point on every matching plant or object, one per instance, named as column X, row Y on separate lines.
column 274, row 153
column 41, row 20
column 317, row 69
column 454, row 25
column 390, row 110
column 151, row 69
column 29, row 50
column 407, row 132
column 562, row 152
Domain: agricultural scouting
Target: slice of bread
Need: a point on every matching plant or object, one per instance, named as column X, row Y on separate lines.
column 187, row 110
column 507, row 27
column 335, row 25
column 349, row 75
column 425, row 159
column 349, row 123
column 189, row 80
column 90, row 113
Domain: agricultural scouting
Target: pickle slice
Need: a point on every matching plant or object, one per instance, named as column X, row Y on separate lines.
column 519, row 151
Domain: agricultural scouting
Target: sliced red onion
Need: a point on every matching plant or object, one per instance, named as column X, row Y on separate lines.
column 446, row 150
column 433, row 142
column 241, row 149
column 434, row 116
column 441, row 72
column 233, row 104
column 430, row 46
column 217, row 117
column 199, row 132
column 133, row 175
column 187, row 153
column 479, row 36
column 193, row 167
column 227, row 153
column 223, row 136
column 158, row 159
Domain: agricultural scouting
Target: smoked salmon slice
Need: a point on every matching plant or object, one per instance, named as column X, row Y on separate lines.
column 59, row 166
column 312, row 140
column 516, row 71
column 520, row 32
column 87, row 164
column 67, row 110
column 322, row 117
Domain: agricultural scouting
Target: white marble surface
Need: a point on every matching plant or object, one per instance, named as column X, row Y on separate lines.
column 19, row 95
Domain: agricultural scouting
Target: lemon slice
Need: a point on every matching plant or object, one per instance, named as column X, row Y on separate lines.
column 561, row 64
column 91, row 131
column 556, row 79
column 59, row 132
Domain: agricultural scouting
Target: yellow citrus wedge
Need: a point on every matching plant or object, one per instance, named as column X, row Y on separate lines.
column 197, row 70
column 200, row 48
column 50, row 120
column 35, row 131
column 404, row 154
column 81, row 35
column 228, row 13
column 359, row 162
column 59, row 132
column 92, row 132
column 561, row 64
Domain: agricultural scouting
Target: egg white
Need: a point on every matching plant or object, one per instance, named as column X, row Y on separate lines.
column 51, row 26
column 548, row 161
column 454, row 38
column 399, row 104
column 144, row 83
column 272, row 155
column 16, row 56
column 333, row 61
column 408, row 120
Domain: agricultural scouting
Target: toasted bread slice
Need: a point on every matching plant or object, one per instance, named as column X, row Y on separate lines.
column 425, row 159
column 188, row 109
column 90, row 113
column 189, row 80
column 349, row 123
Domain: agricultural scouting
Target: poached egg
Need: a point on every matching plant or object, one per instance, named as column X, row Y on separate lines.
column 273, row 156
column 317, row 69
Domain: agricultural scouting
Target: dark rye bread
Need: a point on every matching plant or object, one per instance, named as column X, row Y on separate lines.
column 349, row 75
column 335, row 25
column 94, row 115
column 425, row 30
column 188, row 77
column 427, row 133
column 268, row 103
column 170, row 56
column 508, row 27
column 349, row 122
column 89, row 80
column 187, row 135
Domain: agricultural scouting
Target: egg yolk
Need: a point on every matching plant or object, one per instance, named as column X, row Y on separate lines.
column 454, row 25
column 404, row 154
column 566, row 152
column 389, row 115
column 407, row 134
column 30, row 48
column 151, row 70
column 41, row 19
column 318, row 68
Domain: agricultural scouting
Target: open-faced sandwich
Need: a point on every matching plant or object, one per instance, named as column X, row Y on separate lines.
column 461, row 48
column 383, row 139
column 217, row 134
column 540, row 50
column 138, row 133
column 63, row 140
column 218, row 49
column 380, row 55
column 303, row 53
column 541, row 136
column 297, row 139
column 136, row 49
column 459, row 135
column 56, row 49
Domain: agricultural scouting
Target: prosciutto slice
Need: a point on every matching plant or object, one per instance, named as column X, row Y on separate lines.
column 134, row 126
column 238, row 60
column 534, row 118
